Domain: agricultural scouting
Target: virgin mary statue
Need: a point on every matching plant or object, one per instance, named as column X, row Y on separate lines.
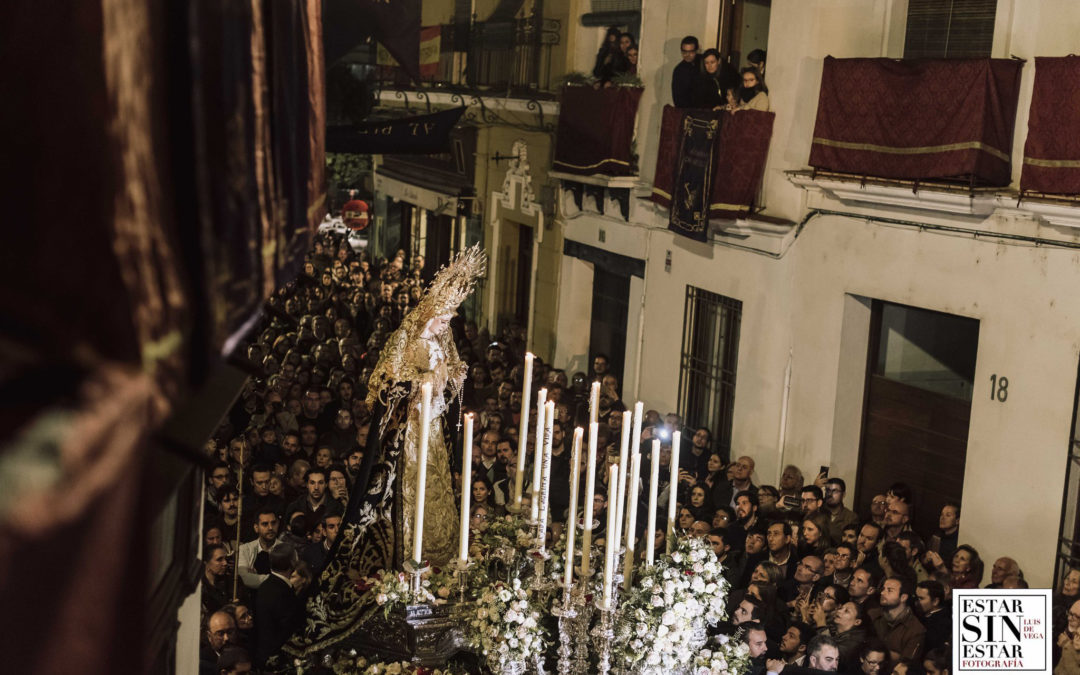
column 376, row 531
column 422, row 351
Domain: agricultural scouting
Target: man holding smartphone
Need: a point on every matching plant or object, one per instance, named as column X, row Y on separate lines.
column 839, row 515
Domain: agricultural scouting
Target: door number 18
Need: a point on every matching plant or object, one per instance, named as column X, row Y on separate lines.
column 999, row 388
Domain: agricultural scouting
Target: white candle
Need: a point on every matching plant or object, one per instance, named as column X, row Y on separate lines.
column 673, row 495
column 523, row 430
column 635, row 442
column 571, row 518
column 631, row 523
column 654, row 478
column 466, row 488
column 612, row 543
column 590, row 489
column 545, row 476
column 594, row 402
column 620, row 494
column 421, row 473
column 538, row 454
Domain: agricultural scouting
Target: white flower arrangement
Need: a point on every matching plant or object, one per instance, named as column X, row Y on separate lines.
column 505, row 624
column 509, row 530
column 727, row 657
column 662, row 620
column 351, row 664
column 393, row 589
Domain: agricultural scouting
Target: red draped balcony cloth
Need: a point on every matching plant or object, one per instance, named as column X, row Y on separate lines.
column 918, row 120
column 742, row 148
column 596, row 130
column 1052, row 150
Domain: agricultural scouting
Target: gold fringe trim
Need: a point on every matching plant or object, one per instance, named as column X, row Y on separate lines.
column 922, row 150
column 591, row 166
column 1053, row 163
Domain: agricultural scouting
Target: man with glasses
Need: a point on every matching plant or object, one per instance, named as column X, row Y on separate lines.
column 844, row 565
column 216, row 479
column 220, row 633
column 839, row 515
column 897, row 516
column 684, row 75
column 811, row 499
column 873, row 657
column 798, row 591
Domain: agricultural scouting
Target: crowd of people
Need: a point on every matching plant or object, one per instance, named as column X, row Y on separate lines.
column 814, row 584
column 705, row 80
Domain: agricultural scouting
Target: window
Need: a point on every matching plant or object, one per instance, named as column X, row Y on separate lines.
column 710, row 352
column 951, row 29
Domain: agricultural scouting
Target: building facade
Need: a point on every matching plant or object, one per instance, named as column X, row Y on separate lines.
column 886, row 329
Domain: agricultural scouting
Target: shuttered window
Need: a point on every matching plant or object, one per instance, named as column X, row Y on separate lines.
column 952, row 29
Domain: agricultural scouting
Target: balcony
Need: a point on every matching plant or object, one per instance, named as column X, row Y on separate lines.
column 923, row 120
column 510, row 57
column 594, row 148
column 710, row 166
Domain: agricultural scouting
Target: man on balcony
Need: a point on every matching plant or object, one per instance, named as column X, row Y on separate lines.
column 685, row 75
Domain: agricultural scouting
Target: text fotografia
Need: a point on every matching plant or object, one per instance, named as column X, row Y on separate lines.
column 1001, row 630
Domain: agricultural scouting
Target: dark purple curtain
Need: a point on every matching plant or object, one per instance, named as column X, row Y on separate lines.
column 1052, row 150
column 917, row 120
column 596, row 129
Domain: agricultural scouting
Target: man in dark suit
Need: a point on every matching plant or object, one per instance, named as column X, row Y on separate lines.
column 683, row 78
column 277, row 609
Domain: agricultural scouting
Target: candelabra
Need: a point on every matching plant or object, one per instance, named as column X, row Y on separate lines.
column 461, row 572
column 564, row 609
column 416, row 572
column 580, row 625
column 603, row 634
column 540, row 581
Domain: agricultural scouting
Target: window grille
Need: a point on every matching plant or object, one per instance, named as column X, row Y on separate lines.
column 710, row 352
column 953, row 29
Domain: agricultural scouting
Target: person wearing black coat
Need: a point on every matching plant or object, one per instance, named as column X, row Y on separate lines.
column 685, row 74
column 277, row 608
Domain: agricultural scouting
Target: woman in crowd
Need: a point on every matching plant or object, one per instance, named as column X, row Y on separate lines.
column 850, row 625
column 700, row 505
column 483, row 494
column 814, row 535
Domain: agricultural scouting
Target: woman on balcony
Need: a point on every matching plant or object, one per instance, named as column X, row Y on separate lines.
column 753, row 95
column 711, row 85
column 610, row 56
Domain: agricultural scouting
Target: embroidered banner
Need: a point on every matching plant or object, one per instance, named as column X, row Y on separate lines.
column 1052, row 150
column 921, row 119
column 742, row 149
column 693, row 177
column 596, row 130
